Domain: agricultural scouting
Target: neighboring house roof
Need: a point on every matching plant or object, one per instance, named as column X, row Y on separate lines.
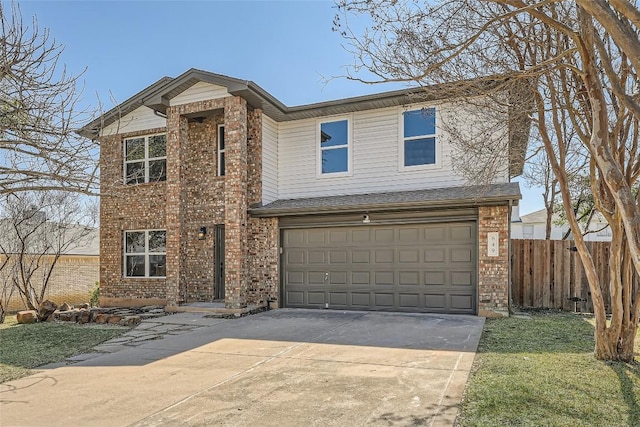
column 540, row 216
column 432, row 198
column 157, row 97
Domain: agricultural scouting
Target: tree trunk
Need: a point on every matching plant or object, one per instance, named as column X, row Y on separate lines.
column 610, row 346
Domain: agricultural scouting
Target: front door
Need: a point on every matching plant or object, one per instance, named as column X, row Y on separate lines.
column 219, row 262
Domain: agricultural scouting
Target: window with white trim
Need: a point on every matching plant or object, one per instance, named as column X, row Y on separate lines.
column 221, row 160
column 145, row 253
column 334, row 147
column 419, row 137
column 145, row 159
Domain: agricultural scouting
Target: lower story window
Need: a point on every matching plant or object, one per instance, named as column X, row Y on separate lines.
column 145, row 253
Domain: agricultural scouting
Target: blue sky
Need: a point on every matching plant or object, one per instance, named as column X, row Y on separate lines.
column 287, row 47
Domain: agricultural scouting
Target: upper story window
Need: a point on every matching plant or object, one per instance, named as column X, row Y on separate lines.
column 334, row 147
column 145, row 159
column 221, row 163
column 418, row 145
column 145, row 253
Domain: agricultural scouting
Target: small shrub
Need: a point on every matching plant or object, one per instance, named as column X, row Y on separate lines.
column 94, row 297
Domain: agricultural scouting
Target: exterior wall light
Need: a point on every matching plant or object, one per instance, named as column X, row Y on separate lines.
column 202, row 233
column 366, row 219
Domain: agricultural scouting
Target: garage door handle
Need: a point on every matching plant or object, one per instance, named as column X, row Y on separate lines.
column 326, row 276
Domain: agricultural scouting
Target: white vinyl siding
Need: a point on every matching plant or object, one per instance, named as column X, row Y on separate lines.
column 142, row 118
column 375, row 159
column 200, row 91
column 269, row 160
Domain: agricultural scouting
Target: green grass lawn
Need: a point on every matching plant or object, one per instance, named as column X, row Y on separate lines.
column 23, row 347
column 541, row 372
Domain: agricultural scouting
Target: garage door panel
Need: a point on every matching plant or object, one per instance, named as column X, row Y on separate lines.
column 436, row 255
column 384, row 235
column 417, row 267
column 434, row 278
column 316, row 257
column 406, row 256
column 316, row 298
column 434, row 301
column 462, row 233
column 383, row 256
column 409, row 300
column 315, row 237
column 338, row 298
column 338, row 278
column 295, row 297
column 411, row 234
column 361, row 278
column 360, row 257
column 462, row 302
column 295, row 277
column 434, row 233
column 461, row 255
column 338, row 257
column 462, row 278
column 383, row 300
column 316, row 277
column 294, row 237
column 361, row 236
column 409, row 278
column 339, row 236
column 383, row 278
column 295, row 257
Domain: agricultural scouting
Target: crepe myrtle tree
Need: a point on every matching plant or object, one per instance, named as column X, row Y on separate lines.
column 549, row 63
column 36, row 229
column 40, row 111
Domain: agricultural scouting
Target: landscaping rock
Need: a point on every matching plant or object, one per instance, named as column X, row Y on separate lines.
column 45, row 309
column 86, row 306
column 65, row 307
column 68, row 316
column 84, row 316
column 53, row 316
column 130, row 321
column 114, row 319
column 101, row 318
column 27, row 316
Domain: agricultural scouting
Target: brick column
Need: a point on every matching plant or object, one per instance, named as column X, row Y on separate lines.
column 235, row 200
column 493, row 281
column 177, row 133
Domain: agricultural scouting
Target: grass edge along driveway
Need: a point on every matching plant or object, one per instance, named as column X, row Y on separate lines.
column 540, row 371
column 24, row 347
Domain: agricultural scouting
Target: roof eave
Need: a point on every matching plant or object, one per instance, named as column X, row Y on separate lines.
column 380, row 207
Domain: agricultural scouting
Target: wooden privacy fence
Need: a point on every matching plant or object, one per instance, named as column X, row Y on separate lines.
column 549, row 274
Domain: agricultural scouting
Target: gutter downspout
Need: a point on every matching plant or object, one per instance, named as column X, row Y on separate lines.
column 509, row 272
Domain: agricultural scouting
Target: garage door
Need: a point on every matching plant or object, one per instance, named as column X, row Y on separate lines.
column 416, row 268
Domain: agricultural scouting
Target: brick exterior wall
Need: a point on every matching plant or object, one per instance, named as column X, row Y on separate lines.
column 493, row 272
column 192, row 197
column 126, row 207
column 72, row 280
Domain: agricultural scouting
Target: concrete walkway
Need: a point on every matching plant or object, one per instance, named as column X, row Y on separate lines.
column 280, row 368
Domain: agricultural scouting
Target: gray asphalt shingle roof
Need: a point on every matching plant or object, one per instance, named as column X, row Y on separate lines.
column 439, row 197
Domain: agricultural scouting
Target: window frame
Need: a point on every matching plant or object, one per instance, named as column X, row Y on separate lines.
column 147, row 253
column 402, row 167
column 348, row 146
column 146, row 160
column 221, row 152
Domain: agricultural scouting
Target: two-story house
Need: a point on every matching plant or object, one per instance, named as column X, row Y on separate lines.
column 212, row 189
